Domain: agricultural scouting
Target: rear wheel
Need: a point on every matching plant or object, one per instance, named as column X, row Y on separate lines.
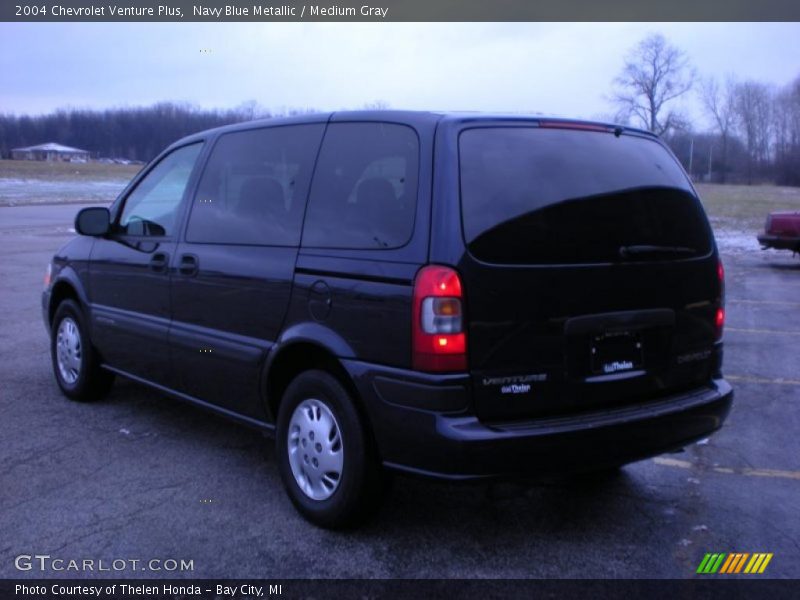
column 75, row 362
column 326, row 457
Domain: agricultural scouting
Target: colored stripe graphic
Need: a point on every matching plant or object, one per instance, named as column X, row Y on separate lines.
column 767, row 558
column 741, row 558
column 733, row 563
column 710, row 563
column 703, row 563
column 729, row 563
column 754, row 564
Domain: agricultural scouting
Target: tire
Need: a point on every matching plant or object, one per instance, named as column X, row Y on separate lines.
column 76, row 365
column 319, row 427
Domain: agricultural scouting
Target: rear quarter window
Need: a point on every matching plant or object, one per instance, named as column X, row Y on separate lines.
column 364, row 192
column 533, row 195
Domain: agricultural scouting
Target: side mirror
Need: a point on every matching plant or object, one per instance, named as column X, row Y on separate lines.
column 95, row 220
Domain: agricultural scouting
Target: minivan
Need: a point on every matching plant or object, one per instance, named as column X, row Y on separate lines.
column 458, row 296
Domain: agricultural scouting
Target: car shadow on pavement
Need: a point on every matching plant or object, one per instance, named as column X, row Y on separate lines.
column 417, row 510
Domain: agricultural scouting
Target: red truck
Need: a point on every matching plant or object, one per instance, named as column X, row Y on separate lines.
column 782, row 231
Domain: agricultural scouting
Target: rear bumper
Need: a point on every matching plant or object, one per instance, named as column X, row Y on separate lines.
column 779, row 243
column 450, row 443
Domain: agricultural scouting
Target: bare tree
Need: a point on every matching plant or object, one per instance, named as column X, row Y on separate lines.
column 251, row 109
column 655, row 74
column 719, row 103
column 376, row 105
column 786, row 129
column 753, row 105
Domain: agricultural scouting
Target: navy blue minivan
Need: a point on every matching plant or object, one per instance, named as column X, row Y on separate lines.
column 452, row 295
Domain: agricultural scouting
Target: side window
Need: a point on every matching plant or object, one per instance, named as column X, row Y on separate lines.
column 151, row 209
column 254, row 187
column 364, row 193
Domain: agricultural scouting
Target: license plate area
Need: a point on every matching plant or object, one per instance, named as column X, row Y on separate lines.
column 615, row 352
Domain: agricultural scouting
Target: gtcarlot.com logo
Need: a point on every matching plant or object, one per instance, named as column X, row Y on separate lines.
column 733, row 563
column 45, row 562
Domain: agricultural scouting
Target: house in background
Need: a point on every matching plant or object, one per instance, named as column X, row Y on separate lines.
column 50, row 151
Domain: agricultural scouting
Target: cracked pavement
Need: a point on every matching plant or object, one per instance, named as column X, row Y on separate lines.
column 141, row 476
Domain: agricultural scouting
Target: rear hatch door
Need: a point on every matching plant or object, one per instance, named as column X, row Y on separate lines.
column 591, row 275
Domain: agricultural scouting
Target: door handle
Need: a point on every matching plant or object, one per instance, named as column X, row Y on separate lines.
column 188, row 265
column 159, row 262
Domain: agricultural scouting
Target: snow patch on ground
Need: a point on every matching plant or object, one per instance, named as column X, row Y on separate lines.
column 736, row 242
column 735, row 238
column 740, row 243
column 16, row 192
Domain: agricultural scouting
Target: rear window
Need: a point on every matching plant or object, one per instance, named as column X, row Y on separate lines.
column 532, row 195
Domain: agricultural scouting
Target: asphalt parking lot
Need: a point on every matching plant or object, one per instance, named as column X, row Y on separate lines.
column 140, row 476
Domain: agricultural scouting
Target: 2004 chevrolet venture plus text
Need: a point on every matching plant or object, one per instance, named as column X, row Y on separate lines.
column 456, row 296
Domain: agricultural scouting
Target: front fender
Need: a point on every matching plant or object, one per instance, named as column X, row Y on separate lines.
column 67, row 277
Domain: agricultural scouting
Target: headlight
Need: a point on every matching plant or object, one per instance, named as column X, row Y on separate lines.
column 47, row 275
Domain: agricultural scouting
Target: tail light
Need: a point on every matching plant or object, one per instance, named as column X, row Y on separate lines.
column 719, row 321
column 719, row 318
column 768, row 224
column 438, row 338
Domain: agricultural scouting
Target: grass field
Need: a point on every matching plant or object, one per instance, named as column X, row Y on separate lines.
column 64, row 171
column 743, row 207
column 41, row 182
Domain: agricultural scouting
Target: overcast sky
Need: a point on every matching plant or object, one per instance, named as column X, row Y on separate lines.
column 558, row 68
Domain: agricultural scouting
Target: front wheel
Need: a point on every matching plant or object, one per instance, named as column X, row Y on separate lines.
column 75, row 363
column 326, row 457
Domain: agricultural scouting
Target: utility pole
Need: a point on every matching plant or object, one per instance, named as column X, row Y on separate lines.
column 691, row 158
column 710, row 154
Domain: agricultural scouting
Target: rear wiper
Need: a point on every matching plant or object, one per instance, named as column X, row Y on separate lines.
column 630, row 251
